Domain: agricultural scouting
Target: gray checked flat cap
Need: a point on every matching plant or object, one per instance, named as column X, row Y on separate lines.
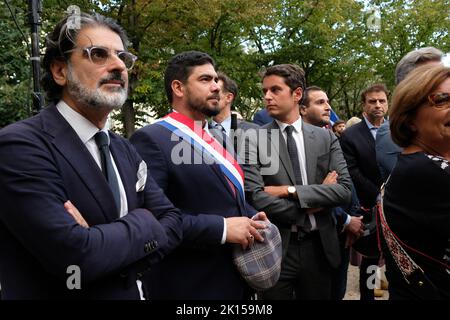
column 260, row 264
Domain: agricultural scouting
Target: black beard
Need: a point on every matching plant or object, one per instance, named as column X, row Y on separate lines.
column 204, row 108
column 210, row 112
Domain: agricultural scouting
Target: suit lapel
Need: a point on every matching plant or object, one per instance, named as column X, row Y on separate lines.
column 282, row 150
column 365, row 131
column 311, row 152
column 67, row 142
column 126, row 172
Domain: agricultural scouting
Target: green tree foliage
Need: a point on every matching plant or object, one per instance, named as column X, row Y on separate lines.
column 15, row 84
column 407, row 25
column 331, row 39
column 159, row 29
column 326, row 38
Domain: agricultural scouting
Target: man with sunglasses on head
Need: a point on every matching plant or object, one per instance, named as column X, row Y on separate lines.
column 80, row 217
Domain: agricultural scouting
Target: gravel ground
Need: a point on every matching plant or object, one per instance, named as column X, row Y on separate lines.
column 353, row 285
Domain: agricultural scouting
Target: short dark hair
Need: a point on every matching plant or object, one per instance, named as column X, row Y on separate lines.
column 180, row 67
column 336, row 123
column 229, row 85
column 63, row 38
column 410, row 95
column 293, row 75
column 377, row 87
column 305, row 98
column 415, row 58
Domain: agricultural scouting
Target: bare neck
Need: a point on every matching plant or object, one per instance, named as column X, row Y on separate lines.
column 189, row 112
column 419, row 146
column 289, row 118
column 97, row 116
column 376, row 122
column 225, row 114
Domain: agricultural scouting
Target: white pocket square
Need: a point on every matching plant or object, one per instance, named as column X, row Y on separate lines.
column 141, row 176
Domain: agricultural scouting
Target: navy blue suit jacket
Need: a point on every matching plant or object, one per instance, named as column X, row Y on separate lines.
column 358, row 146
column 201, row 268
column 43, row 163
column 262, row 117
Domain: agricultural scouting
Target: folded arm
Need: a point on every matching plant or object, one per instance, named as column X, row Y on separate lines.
column 33, row 195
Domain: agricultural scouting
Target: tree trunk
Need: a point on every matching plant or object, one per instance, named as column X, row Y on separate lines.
column 128, row 118
column 128, row 113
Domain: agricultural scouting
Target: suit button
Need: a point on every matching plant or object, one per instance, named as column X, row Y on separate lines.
column 147, row 247
column 154, row 244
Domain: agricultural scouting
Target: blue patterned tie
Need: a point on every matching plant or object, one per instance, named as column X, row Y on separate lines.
column 221, row 135
column 101, row 139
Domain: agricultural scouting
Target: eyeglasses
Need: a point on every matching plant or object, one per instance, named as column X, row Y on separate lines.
column 100, row 55
column 440, row 99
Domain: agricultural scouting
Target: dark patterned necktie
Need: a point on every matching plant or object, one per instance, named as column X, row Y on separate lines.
column 293, row 155
column 101, row 139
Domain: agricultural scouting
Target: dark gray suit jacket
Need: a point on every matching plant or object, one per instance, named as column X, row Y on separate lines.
column 236, row 141
column 268, row 164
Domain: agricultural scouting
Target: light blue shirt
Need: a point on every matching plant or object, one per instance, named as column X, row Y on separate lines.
column 373, row 130
column 226, row 124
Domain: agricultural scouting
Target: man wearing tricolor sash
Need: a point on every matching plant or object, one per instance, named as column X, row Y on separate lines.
column 204, row 181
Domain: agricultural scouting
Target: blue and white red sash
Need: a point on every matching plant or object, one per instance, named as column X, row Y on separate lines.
column 194, row 134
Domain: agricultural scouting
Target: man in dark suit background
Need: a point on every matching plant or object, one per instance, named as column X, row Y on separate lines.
column 224, row 126
column 315, row 110
column 358, row 145
column 182, row 157
column 262, row 117
column 67, row 229
column 296, row 172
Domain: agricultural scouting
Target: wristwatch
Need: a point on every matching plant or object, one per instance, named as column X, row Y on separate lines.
column 291, row 191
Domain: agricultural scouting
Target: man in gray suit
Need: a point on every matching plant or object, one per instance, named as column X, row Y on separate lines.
column 225, row 126
column 296, row 172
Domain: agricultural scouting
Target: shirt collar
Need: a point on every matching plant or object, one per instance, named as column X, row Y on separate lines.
column 370, row 125
column 82, row 126
column 298, row 124
column 226, row 124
